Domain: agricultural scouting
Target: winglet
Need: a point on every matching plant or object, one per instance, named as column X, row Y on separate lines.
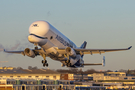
column 130, row 47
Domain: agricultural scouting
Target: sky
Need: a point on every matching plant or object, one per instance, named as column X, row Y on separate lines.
column 104, row 24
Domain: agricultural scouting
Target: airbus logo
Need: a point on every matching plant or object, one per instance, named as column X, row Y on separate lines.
column 61, row 40
column 35, row 25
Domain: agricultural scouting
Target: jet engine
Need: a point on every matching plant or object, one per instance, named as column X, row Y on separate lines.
column 70, row 51
column 29, row 52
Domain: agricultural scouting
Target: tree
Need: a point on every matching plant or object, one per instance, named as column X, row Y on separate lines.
column 29, row 67
column 35, row 67
column 90, row 71
column 19, row 68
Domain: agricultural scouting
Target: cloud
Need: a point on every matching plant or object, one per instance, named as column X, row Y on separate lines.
column 15, row 47
column 9, row 48
column 25, row 45
column 19, row 45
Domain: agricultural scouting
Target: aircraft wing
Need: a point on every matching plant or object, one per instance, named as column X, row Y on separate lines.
column 99, row 51
column 36, row 51
column 93, row 64
column 17, row 52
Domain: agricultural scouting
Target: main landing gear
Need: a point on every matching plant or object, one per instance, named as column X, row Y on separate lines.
column 68, row 64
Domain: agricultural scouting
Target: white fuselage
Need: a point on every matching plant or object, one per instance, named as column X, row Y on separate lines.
column 45, row 29
column 49, row 38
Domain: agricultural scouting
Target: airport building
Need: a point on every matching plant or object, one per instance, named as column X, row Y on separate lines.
column 13, row 73
column 112, row 76
column 76, row 77
column 45, row 79
column 35, row 79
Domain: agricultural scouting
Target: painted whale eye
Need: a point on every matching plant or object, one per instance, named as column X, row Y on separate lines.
column 51, row 37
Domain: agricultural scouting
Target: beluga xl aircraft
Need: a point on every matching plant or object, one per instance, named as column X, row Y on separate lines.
column 58, row 47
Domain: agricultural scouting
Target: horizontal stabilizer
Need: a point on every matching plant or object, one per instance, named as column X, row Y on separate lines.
column 103, row 63
column 92, row 64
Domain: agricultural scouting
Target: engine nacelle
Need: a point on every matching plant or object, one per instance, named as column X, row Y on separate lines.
column 29, row 52
column 70, row 51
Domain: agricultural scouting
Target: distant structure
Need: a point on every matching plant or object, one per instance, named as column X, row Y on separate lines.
column 18, row 79
column 14, row 73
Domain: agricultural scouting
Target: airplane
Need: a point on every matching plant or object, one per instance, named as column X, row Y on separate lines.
column 58, row 47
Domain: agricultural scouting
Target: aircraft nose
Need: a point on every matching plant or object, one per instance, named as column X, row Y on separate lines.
column 34, row 39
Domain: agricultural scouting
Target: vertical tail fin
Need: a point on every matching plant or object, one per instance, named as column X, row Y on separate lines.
column 103, row 62
column 83, row 45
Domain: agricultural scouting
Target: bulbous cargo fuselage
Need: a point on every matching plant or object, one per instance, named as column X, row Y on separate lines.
column 46, row 36
column 45, row 31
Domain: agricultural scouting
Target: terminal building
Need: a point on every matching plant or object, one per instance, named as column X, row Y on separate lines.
column 12, row 78
column 76, row 77
column 13, row 73
column 46, row 79
column 35, row 79
column 112, row 76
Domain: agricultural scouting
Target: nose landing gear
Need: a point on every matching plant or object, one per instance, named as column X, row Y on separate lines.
column 44, row 62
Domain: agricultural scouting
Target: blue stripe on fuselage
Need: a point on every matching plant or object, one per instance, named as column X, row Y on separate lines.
column 39, row 36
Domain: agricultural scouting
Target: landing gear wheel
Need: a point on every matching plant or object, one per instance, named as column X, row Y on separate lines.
column 36, row 48
column 44, row 64
column 47, row 64
column 44, row 61
column 69, row 64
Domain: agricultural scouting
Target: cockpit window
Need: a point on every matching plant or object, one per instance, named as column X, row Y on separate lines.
column 35, row 25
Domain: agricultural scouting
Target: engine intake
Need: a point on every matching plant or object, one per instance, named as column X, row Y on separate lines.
column 70, row 51
column 29, row 52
